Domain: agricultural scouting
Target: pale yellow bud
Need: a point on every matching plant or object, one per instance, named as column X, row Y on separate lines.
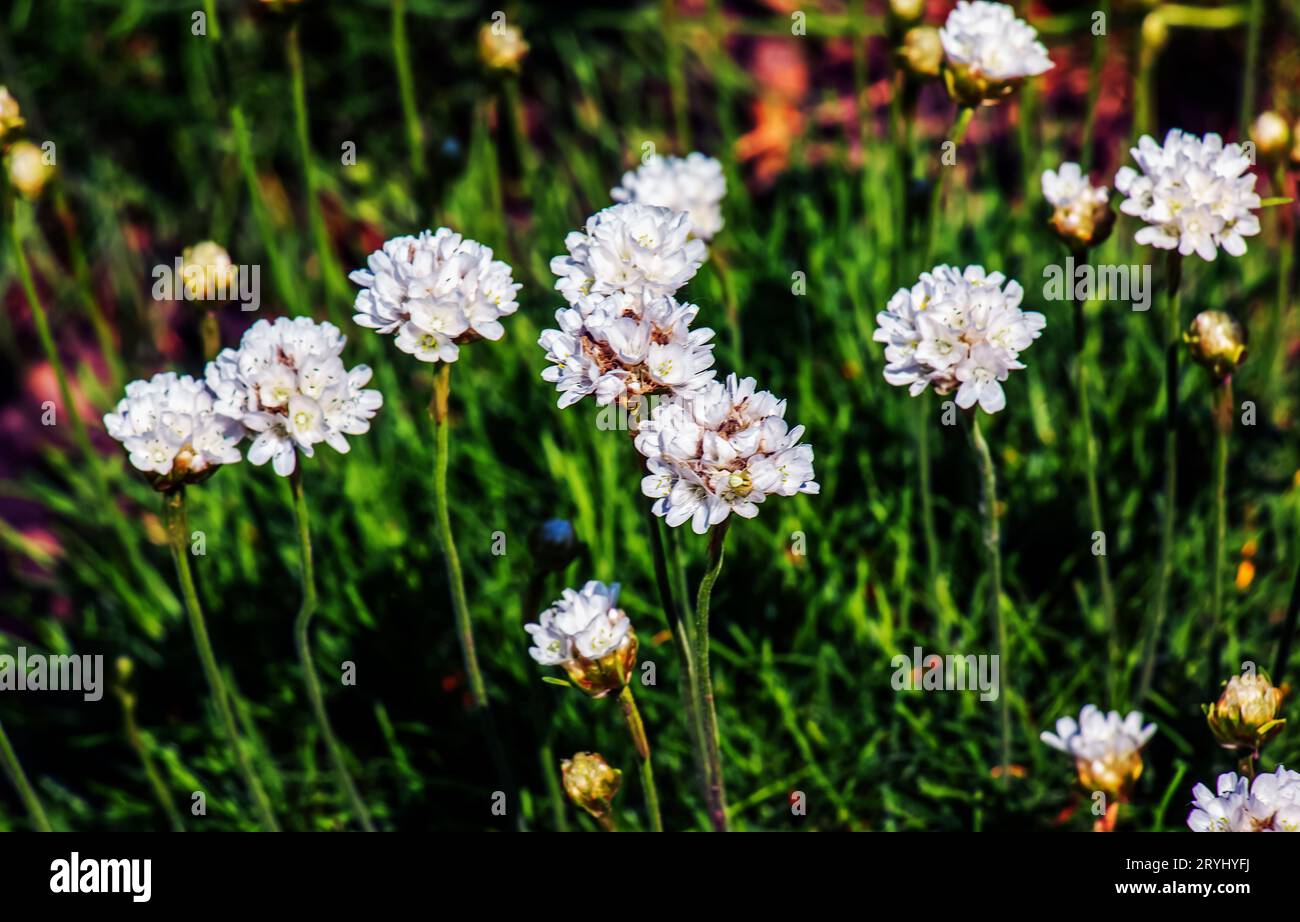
column 1217, row 342
column 501, row 46
column 1272, row 136
column 1245, row 716
column 592, row 784
column 11, row 117
column 28, row 171
column 207, row 272
column 922, row 51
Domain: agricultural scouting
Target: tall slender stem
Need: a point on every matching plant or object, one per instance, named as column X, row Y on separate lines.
column 302, row 636
column 1099, row 45
column 14, row 769
column 708, row 710
column 1222, row 407
column 961, row 121
column 455, row 578
column 933, row 576
column 1288, row 630
column 406, row 90
column 86, row 287
column 1250, row 68
column 993, row 553
column 136, row 739
column 1094, row 494
column 1173, row 345
column 636, row 728
column 178, row 534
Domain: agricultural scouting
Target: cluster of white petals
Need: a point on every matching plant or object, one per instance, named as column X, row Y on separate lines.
column 623, row 333
column 287, row 383
column 957, row 329
column 721, row 451
column 1069, row 188
column 694, row 184
column 1269, row 804
column 435, row 291
column 583, row 623
column 169, row 426
column 1102, row 738
column 1195, row 194
column 990, row 42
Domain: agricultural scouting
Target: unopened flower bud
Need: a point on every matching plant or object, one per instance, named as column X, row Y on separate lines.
column 1245, row 716
column 906, row 12
column 592, row 784
column 1272, row 137
column 11, row 117
column 1217, row 342
column 125, row 667
column 922, row 51
column 555, row 545
column 501, row 46
column 207, row 272
column 28, row 171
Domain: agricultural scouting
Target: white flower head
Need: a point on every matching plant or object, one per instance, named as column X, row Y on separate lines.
column 436, row 292
column 723, row 450
column 171, row 430
column 1195, row 194
column 1081, row 212
column 989, row 51
column 287, row 383
column 959, row 330
column 589, row 636
column 693, row 184
column 1107, row 748
column 632, row 249
column 1269, row 804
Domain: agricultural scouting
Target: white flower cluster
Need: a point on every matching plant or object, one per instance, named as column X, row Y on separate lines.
column 693, row 184
column 1195, row 194
column 1100, row 738
column 721, row 451
column 287, row 383
column 1270, row 804
column 959, row 329
column 585, row 623
column 1069, row 188
column 170, row 429
column 624, row 334
column 436, row 292
column 990, row 42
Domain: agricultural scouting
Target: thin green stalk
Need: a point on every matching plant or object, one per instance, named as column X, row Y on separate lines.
column 989, row 510
column 1099, row 46
column 933, row 576
column 1222, row 401
column 1094, row 494
column 14, row 769
column 636, row 727
column 136, row 739
column 961, row 122
column 86, row 288
column 455, row 578
column 406, row 90
column 302, row 636
column 178, row 532
column 1173, row 346
column 676, row 77
column 730, row 302
column 716, row 791
column 1287, row 636
column 335, row 282
column 1286, row 249
column 1250, row 69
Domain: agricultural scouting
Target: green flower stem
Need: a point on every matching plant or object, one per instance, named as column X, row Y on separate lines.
column 14, row 769
column 335, row 282
column 1173, row 345
column 1286, row 250
column 723, row 269
column 933, row 575
column 136, row 739
column 178, row 532
column 455, row 578
column 1222, row 405
column 302, row 635
column 988, row 507
column 85, row 286
column 1094, row 494
column 406, row 89
column 712, row 744
column 1099, row 46
column 1250, row 68
column 961, row 122
column 636, row 727
column 1288, row 630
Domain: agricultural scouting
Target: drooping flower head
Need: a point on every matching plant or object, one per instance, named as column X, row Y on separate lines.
column 693, row 184
column 1270, row 804
column 589, row 636
column 1195, row 194
column 287, row 383
column 437, row 292
column 172, row 432
column 988, row 52
column 1081, row 214
column 957, row 329
column 1106, row 748
column 724, row 450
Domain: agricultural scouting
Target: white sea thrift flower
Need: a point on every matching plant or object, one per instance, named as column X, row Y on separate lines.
column 1270, row 804
column 959, row 330
column 589, row 636
column 631, row 249
column 287, row 383
column 623, row 347
column 1195, row 194
column 436, row 292
column 171, row 430
column 989, row 51
column 721, row 451
column 693, row 184
column 1107, row 749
